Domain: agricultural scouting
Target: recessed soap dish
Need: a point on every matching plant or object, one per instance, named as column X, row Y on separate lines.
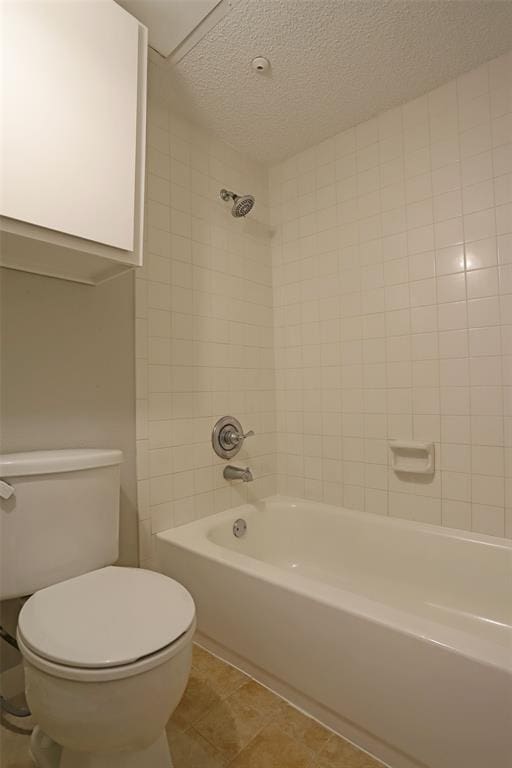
column 412, row 457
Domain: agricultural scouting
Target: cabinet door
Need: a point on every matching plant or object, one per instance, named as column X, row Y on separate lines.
column 69, row 117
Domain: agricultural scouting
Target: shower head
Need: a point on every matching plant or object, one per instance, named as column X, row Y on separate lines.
column 242, row 204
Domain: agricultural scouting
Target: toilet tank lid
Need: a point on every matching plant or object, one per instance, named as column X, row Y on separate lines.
column 50, row 462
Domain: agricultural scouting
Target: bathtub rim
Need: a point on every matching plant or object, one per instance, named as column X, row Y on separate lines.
column 193, row 537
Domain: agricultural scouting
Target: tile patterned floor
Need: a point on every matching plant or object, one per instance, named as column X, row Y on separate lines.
column 227, row 719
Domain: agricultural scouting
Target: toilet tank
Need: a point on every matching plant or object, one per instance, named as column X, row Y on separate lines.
column 61, row 519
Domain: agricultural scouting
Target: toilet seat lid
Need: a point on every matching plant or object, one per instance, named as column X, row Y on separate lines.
column 106, row 618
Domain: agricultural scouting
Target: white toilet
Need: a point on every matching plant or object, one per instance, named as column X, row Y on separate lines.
column 106, row 650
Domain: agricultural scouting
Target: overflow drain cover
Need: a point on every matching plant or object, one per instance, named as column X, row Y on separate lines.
column 239, row 527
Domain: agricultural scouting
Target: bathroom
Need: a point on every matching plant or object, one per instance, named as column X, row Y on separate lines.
column 256, row 347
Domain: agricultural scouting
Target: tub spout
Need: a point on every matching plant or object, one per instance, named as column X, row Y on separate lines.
column 237, row 473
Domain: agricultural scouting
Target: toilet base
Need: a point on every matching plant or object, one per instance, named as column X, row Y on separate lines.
column 46, row 753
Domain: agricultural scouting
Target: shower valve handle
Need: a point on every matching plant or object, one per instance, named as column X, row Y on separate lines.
column 238, row 437
column 228, row 437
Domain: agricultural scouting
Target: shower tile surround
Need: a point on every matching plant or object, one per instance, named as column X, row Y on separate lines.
column 390, row 265
column 204, row 333
column 392, row 262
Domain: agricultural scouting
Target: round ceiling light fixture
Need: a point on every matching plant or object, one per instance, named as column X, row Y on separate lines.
column 260, row 64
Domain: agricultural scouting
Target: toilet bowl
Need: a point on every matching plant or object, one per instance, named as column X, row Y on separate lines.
column 107, row 657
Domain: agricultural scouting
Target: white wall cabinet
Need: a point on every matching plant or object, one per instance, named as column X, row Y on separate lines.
column 72, row 141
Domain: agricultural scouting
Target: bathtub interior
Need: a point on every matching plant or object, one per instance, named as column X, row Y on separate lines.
column 452, row 579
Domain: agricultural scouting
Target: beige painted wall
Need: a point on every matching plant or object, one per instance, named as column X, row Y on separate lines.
column 67, row 373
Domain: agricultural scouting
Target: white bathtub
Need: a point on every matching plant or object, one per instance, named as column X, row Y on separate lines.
column 397, row 635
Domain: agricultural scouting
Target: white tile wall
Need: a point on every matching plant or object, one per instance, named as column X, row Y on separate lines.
column 204, row 329
column 392, row 274
column 386, row 310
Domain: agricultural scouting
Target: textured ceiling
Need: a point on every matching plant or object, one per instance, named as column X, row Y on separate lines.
column 334, row 63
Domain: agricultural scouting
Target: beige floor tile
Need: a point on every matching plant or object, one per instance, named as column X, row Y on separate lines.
column 338, row 753
column 302, row 728
column 200, row 655
column 223, row 678
column 274, row 749
column 198, row 698
column 230, row 726
column 258, row 697
column 190, row 750
column 14, row 743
